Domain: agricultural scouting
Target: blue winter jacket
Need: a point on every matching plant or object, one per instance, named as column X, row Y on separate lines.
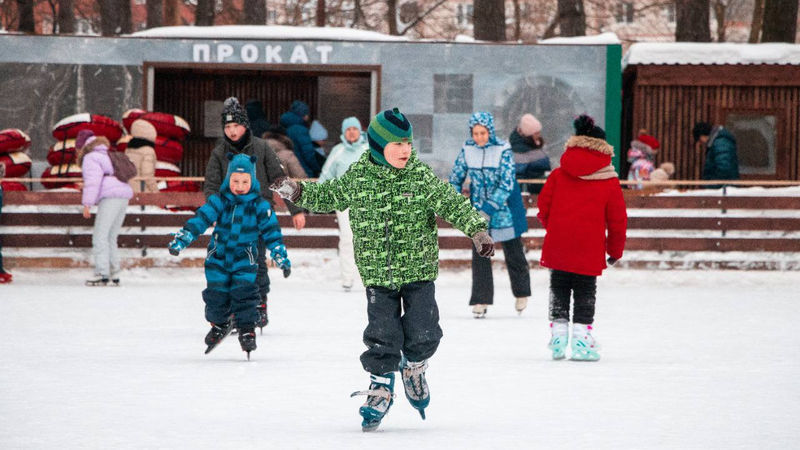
column 722, row 162
column 241, row 220
column 493, row 187
column 303, row 147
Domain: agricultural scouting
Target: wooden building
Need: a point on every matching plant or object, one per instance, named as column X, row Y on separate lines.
column 751, row 89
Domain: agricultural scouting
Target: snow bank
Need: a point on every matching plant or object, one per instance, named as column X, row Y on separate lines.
column 267, row 32
column 711, row 53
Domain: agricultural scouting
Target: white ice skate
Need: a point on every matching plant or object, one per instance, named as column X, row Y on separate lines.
column 521, row 304
column 479, row 311
column 584, row 345
column 559, row 330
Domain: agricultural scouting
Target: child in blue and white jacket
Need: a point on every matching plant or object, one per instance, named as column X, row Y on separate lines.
column 495, row 193
column 241, row 217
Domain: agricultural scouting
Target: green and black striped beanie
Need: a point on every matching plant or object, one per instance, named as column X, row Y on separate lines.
column 388, row 126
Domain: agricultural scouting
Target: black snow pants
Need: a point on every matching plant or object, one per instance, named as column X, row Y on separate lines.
column 401, row 322
column 582, row 287
column 262, row 279
column 518, row 271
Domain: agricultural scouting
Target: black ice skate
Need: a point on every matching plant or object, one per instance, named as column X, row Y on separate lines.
column 217, row 334
column 247, row 339
column 415, row 385
column 263, row 319
column 97, row 280
column 380, row 397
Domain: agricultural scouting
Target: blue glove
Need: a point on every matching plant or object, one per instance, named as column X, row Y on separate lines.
column 278, row 255
column 182, row 239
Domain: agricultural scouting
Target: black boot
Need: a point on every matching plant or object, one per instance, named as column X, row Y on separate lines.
column 247, row 339
column 263, row 319
column 217, row 333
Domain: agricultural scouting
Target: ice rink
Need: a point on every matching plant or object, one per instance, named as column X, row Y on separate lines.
column 690, row 359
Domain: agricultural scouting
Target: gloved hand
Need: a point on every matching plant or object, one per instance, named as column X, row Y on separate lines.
column 484, row 244
column 182, row 239
column 287, row 188
column 611, row 260
column 278, row 255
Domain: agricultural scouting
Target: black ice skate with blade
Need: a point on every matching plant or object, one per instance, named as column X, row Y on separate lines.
column 97, row 280
column 380, row 397
column 217, row 334
column 247, row 339
column 263, row 318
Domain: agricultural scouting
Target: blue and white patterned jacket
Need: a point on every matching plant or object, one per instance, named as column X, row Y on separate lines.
column 491, row 172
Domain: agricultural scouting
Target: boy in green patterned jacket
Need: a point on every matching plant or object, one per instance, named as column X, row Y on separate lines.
column 394, row 199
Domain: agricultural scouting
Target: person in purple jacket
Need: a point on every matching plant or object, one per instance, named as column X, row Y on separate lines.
column 102, row 188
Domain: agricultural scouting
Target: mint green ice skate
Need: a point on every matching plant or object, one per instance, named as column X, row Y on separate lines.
column 584, row 345
column 559, row 330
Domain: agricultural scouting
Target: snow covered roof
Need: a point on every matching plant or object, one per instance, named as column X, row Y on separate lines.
column 267, row 32
column 597, row 39
column 711, row 53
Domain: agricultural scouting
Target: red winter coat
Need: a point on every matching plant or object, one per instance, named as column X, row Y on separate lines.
column 578, row 203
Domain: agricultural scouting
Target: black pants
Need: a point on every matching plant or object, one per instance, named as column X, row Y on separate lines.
column 262, row 279
column 582, row 287
column 518, row 271
column 401, row 322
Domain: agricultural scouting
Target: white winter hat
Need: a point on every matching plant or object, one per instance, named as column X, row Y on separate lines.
column 529, row 125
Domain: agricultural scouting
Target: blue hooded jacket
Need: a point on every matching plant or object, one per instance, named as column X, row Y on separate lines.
column 298, row 133
column 241, row 219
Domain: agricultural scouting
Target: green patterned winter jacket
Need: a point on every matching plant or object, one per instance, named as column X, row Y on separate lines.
column 393, row 218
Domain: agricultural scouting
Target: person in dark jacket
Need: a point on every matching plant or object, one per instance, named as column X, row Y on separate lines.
column 722, row 162
column 583, row 213
column 295, row 121
column 243, row 221
column 239, row 139
column 258, row 120
column 530, row 161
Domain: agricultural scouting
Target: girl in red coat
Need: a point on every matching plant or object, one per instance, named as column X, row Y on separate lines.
column 581, row 200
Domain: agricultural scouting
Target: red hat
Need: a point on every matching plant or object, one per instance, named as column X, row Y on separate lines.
column 648, row 140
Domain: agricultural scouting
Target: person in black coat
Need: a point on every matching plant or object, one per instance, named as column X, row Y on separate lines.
column 258, row 120
column 721, row 159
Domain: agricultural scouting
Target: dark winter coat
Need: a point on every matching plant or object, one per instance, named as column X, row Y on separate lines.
column 722, row 162
column 268, row 167
column 303, row 147
column 579, row 203
column 258, row 121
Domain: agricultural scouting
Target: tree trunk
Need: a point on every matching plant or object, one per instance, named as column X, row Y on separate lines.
column 758, row 21
column 204, row 13
column 155, row 12
column 66, row 17
column 719, row 16
column 517, row 21
column 25, row 12
column 109, row 17
column 255, row 12
column 172, row 12
column 571, row 18
column 321, row 18
column 489, row 20
column 780, row 21
column 125, row 22
column 391, row 17
column 692, row 21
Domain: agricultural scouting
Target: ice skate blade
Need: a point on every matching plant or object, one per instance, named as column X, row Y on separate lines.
column 590, row 357
column 422, row 413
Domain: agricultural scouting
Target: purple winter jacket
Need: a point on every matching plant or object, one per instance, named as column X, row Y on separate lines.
column 98, row 183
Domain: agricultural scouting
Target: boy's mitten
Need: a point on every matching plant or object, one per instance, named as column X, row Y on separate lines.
column 287, row 188
column 182, row 239
column 611, row 260
column 281, row 259
column 484, row 244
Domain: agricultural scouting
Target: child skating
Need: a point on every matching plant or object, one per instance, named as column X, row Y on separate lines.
column 394, row 199
column 242, row 217
column 583, row 212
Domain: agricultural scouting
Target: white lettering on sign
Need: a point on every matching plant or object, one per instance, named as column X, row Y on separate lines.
column 249, row 53
column 224, row 51
column 273, row 53
column 299, row 55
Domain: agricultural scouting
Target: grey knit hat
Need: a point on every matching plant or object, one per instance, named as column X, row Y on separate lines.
column 232, row 111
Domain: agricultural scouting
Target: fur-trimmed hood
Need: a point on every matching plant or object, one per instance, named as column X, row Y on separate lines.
column 588, row 158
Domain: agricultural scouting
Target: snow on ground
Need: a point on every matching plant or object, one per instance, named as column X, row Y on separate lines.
column 690, row 360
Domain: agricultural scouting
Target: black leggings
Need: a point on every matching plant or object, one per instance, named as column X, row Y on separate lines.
column 518, row 271
column 582, row 287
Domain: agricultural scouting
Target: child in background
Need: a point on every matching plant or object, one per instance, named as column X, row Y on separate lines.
column 5, row 277
column 581, row 200
column 241, row 217
column 393, row 199
column 642, row 156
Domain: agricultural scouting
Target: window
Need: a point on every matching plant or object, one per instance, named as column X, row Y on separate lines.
column 464, row 13
column 669, row 11
column 452, row 93
column 756, row 141
column 624, row 12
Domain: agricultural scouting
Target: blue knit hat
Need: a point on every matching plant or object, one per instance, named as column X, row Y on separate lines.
column 241, row 163
column 388, row 126
column 300, row 108
column 351, row 122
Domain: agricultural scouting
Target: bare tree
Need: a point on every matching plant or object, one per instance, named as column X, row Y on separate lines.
column 109, row 17
column 780, row 21
column 414, row 17
column 692, row 21
column 66, row 17
column 571, row 18
column 172, row 12
column 155, row 12
column 125, row 22
column 720, row 7
column 255, row 12
column 321, row 19
column 204, row 13
column 757, row 22
column 25, row 12
column 517, row 21
column 489, row 20
column 391, row 16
